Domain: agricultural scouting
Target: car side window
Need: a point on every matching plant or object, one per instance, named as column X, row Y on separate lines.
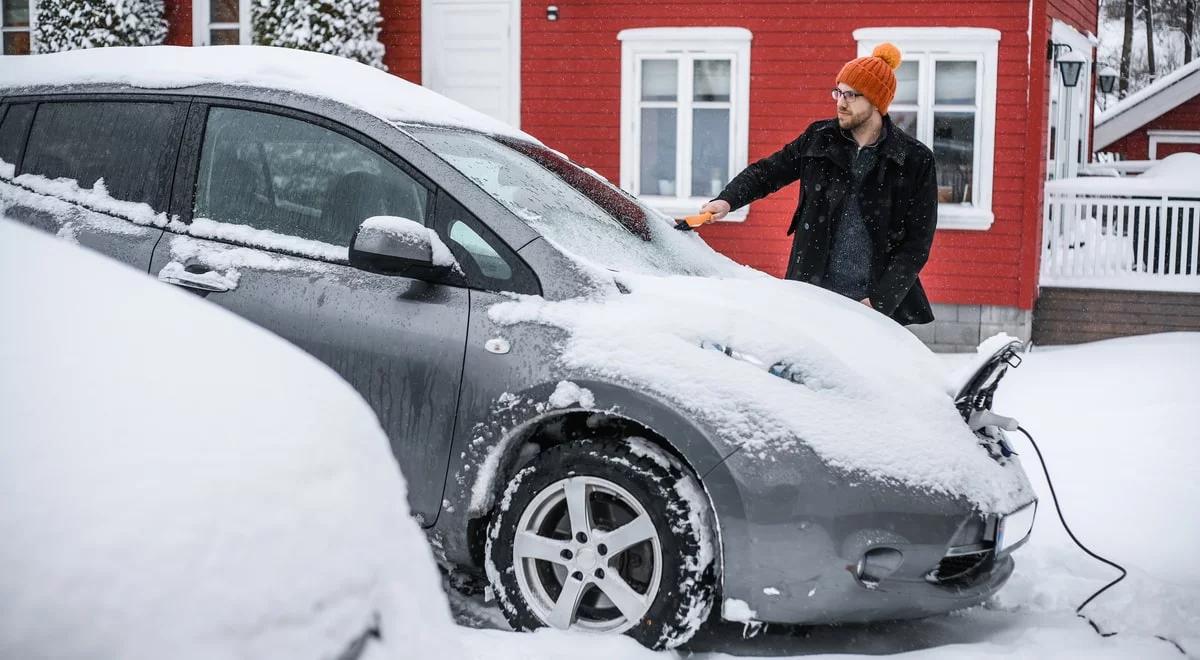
column 296, row 178
column 13, row 129
column 485, row 261
column 130, row 145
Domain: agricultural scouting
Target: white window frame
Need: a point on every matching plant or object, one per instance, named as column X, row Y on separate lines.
column 201, row 24
column 1170, row 137
column 31, row 28
column 929, row 46
column 685, row 44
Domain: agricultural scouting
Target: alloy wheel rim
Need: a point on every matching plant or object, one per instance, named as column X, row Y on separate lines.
column 587, row 556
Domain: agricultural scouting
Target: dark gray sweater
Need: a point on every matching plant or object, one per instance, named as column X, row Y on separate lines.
column 849, row 271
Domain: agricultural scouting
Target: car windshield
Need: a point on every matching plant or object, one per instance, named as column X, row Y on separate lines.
column 574, row 208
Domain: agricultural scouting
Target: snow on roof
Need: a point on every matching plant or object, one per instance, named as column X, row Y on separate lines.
column 177, row 481
column 1147, row 104
column 377, row 92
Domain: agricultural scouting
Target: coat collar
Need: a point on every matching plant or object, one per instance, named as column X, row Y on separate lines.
column 834, row 145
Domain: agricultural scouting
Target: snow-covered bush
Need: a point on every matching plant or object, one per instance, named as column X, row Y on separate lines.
column 71, row 24
column 347, row 28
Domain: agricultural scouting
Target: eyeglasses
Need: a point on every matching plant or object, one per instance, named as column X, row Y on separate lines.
column 848, row 94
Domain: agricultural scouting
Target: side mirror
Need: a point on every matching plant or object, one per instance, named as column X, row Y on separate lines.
column 393, row 245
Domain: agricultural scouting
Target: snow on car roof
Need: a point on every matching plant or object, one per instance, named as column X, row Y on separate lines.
column 377, row 92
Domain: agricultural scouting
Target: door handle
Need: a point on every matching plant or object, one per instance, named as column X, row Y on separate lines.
column 196, row 276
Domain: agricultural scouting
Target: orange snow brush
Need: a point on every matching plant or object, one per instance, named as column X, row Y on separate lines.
column 693, row 221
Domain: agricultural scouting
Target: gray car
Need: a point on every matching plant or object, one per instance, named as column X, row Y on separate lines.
column 585, row 497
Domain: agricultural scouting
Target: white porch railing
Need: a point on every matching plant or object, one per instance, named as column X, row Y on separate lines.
column 1107, row 233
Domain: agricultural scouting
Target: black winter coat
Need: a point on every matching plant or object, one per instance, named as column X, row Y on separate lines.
column 899, row 206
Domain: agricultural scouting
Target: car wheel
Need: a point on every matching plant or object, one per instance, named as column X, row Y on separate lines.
column 611, row 536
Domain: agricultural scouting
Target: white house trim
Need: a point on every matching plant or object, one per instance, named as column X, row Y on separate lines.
column 932, row 44
column 1170, row 137
column 1148, row 104
column 684, row 43
column 201, row 24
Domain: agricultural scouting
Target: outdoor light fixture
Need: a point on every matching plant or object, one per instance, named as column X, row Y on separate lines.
column 1070, row 64
column 1106, row 79
column 552, row 12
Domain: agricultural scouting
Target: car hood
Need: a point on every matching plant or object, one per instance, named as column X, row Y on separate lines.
column 771, row 364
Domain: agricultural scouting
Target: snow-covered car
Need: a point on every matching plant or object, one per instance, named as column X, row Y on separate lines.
column 616, row 425
column 176, row 482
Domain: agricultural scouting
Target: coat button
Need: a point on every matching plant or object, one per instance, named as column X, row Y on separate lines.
column 818, row 187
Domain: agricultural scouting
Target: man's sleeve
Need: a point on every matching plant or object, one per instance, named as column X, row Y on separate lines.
column 767, row 175
column 920, row 223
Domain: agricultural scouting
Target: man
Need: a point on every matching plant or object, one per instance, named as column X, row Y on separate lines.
column 868, row 199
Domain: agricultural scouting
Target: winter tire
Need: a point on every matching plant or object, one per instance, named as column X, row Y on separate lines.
column 611, row 536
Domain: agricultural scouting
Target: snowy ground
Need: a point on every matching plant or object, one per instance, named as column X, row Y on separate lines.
column 1114, row 421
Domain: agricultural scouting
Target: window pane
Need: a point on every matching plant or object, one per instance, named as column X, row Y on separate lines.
column 489, row 262
column 658, row 151
column 710, row 151
column 905, row 120
column 712, row 80
column 129, row 145
column 906, row 83
column 16, row 43
column 223, row 37
column 16, row 13
column 296, row 178
column 954, row 151
column 223, row 11
column 954, row 82
column 660, row 80
column 13, row 131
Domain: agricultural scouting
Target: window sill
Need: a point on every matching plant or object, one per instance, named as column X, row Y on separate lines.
column 678, row 208
column 960, row 217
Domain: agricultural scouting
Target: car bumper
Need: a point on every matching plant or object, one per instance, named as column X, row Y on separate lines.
column 793, row 552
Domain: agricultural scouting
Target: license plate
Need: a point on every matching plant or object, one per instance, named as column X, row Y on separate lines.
column 1015, row 527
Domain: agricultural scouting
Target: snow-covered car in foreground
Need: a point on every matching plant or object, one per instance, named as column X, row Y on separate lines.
column 612, row 422
column 176, row 482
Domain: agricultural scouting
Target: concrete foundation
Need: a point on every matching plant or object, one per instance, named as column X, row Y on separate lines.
column 960, row 328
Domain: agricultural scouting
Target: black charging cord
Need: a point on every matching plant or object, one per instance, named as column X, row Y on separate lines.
column 1079, row 610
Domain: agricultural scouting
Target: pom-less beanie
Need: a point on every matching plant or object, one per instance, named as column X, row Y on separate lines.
column 874, row 76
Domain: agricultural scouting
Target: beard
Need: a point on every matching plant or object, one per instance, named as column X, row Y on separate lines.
column 852, row 121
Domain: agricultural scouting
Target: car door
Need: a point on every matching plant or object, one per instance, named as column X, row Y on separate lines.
column 102, row 168
column 275, row 198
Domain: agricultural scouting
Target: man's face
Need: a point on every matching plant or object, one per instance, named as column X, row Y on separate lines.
column 852, row 114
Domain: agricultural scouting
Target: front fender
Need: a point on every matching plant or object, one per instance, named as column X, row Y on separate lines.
column 488, row 454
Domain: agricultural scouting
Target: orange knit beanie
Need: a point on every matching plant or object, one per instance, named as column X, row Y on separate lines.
column 873, row 76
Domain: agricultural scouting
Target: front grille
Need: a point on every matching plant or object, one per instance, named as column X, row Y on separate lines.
column 960, row 568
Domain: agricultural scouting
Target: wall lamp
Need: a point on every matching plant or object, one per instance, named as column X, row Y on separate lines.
column 1070, row 64
column 552, row 12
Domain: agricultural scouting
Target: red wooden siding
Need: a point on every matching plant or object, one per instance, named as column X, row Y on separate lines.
column 571, row 90
column 1136, row 145
column 401, row 37
column 179, row 22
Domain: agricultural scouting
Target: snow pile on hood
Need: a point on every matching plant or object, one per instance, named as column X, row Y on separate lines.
column 871, row 398
column 382, row 94
column 178, row 482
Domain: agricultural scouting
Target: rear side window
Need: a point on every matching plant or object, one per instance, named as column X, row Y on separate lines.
column 296, row 178
column 13, row 129
column 131, row 146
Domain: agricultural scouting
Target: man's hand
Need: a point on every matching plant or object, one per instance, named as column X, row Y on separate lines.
column 866, row 301
column 718, row 207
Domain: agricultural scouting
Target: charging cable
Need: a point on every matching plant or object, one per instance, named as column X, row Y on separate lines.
column 1078, row 610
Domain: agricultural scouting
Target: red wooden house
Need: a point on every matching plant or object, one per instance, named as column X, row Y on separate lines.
column 673, row 98
column 1159, row 120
